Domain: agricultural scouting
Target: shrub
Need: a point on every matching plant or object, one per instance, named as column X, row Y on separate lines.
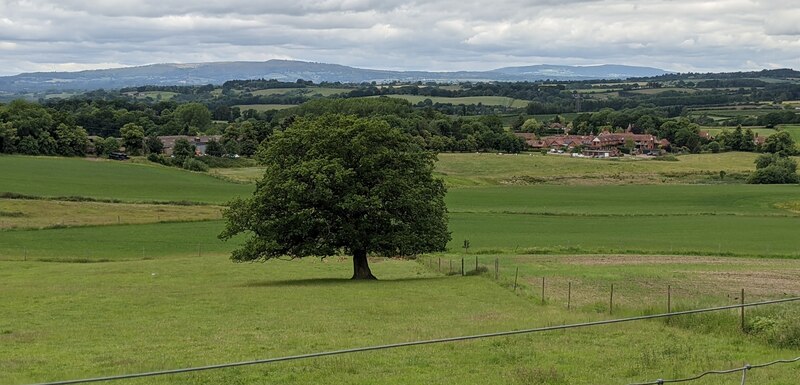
column 774, row 169
column 193, row 164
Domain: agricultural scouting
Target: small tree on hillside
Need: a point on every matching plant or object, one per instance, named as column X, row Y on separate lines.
column 132, row 138
column 780, row 143
column 341, row 184
column 774, row 169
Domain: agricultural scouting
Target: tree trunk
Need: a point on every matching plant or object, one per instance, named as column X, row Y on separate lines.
column 361, row 265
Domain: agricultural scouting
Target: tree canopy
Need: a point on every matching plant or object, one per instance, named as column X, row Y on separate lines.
column 341, row 184
column 774, row 169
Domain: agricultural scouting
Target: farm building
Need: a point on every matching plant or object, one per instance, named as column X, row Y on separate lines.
column 199, row 142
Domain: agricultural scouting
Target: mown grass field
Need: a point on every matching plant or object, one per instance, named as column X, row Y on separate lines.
column 105, row 179
column 115, row 243
column 64, row 321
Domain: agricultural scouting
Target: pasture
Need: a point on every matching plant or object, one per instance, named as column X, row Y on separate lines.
column 102, row 297
column 27, row 213
column 486, row 100
column 322, row 91
column 264, row 107
column 533, row 168
column 78, row 320
column 485, row 169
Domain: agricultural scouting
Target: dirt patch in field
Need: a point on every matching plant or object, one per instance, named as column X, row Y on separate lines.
column 603, row 260
column 758, row 283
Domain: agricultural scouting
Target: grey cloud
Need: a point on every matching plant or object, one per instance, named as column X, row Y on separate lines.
column 431, row 35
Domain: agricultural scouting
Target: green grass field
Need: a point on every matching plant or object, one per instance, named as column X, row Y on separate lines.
column 26, row 213
column 793, row 130
column 102, row 300
column 104, row 179
column 486, row 100
column 264, row 107
column 324, row 91
column 80, row 320
column 155, row 95
column 532, row 168
column 672, row 219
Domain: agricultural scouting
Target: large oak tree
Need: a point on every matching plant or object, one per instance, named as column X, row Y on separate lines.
column 341, row 184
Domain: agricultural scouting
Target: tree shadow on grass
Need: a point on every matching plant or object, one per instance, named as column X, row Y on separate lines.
column 333, row 281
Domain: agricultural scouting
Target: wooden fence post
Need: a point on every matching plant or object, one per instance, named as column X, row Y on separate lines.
column 542, row 290
column 669, row 298
column 569, row 295
column 516, row 275
column 611, row 301
column 742, row 312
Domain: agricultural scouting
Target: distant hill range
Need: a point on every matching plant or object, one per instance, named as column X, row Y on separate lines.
column 289, row 70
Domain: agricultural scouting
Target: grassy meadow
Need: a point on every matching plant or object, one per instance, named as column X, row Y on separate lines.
column 485, row 169
column 94, row 288
column 486, row 100
column 27, row 213
column 264, row 107
column 64, row 321
column 107, row 179
column 462, row 170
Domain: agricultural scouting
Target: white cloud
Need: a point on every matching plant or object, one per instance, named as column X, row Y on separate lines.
column 430, row 35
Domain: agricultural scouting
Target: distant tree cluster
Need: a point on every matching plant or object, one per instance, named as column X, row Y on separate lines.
column 29, row 128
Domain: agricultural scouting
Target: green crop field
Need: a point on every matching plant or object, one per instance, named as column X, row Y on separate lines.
column 626, row 200
column 487, row 100
column 104, row 179
column 114, row 243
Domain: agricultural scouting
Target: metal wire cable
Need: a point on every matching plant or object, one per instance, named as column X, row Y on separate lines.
column 416, row 343
column 728, row 371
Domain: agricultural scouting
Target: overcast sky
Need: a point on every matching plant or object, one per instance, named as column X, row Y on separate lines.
column 679, row 35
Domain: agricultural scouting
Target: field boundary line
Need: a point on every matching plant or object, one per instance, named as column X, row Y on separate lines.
column 416, row 343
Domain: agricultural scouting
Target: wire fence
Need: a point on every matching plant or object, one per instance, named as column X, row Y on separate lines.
column 422, row 342
column 743, row 369
column 606, row 295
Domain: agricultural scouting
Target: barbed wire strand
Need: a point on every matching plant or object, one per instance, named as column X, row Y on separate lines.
column 728, row 371
column 416, row 343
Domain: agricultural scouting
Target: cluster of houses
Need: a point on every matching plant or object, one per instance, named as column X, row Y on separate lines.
column 604, row 145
